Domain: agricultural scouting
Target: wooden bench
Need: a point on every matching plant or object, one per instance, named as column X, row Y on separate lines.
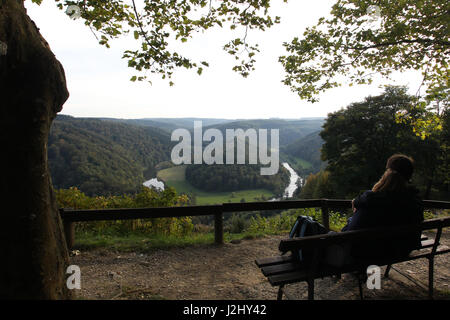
column 283, row 269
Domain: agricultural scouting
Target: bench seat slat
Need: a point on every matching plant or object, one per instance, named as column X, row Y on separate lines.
column 268, row 261
column 280, row 268
column 427, row 243
column 289, row 277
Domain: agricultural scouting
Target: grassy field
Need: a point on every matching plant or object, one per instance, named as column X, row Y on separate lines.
column 175, row 177
column 147, row 243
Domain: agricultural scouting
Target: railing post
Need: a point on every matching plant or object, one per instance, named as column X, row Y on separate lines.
column 325, row 214
column 218, row 227
column 69, row 232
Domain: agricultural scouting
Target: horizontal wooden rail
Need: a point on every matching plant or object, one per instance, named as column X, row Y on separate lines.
column 137, row 213
column 70, row 216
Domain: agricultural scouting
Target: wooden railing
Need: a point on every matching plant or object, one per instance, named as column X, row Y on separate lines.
column 71, row 216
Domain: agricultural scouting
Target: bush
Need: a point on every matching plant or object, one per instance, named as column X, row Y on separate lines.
column 285, row 220
column 238, row 223
column 75, row 199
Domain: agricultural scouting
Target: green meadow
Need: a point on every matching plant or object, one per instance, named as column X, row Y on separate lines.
column 175, row 177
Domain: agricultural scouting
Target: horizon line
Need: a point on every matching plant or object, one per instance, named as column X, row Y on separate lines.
column 193, row 117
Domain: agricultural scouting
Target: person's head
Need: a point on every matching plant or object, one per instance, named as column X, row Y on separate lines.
column 399, row 170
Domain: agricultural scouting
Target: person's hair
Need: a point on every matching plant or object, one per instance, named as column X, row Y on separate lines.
column 399, row 170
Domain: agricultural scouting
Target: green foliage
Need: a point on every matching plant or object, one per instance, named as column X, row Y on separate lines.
column 271, row 225
column 410, row 35
column 360, row 138
column 238, row 223
column 140, row 242
column 317, row 186
column 284, row 221
column 235, row 177
column 104, row 157
column 158, row 24
column 75, row 199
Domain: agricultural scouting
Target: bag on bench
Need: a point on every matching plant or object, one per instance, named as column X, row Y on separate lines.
column 305, row 226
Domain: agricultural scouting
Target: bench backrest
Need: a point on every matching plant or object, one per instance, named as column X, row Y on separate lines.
column 325, row 240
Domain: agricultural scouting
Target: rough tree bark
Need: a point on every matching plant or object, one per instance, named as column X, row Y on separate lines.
column 33, row 89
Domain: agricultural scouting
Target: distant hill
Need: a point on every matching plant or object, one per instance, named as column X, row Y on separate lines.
column 289, row 130
column 101, row 157
column 307, row 148
column 170, row 124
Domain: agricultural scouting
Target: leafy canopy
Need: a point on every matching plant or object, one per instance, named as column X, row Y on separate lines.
column 158, row 23
column 364, row 38
column 360, row 138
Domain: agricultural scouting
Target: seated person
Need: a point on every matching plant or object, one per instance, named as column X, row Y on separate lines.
column 391, row 202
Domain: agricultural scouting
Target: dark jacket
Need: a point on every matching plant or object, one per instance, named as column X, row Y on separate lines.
column 383, row 209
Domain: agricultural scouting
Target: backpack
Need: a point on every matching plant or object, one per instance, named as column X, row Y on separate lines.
column 305, row 226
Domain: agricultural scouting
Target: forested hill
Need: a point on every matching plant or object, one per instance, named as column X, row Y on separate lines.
column 289, row 130
column 307, row 148
column 170, row 124
column 101, row 157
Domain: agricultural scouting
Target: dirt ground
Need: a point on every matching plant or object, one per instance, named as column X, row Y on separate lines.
column 228, row 272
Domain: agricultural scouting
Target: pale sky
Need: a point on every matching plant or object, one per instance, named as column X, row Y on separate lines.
column 99, row 86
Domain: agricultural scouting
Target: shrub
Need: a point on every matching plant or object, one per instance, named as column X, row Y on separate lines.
column 75, row 199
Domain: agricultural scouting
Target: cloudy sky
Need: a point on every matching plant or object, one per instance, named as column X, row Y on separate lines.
column 99, row 86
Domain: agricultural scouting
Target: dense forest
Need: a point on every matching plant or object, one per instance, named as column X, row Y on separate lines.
column 233, row 177
column 104, row 157
column 359, row 139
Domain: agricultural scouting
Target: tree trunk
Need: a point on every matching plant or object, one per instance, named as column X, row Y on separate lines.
column 33, row 252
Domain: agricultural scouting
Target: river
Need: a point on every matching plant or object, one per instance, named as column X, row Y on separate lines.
column 288, row 193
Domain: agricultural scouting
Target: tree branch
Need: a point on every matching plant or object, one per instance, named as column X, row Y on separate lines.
column 393, row 43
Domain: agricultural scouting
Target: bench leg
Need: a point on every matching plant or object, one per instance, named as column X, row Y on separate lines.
column 430, row 277
column 280, row 293
column 386, row 273
column 360, row 281
column 311, row 289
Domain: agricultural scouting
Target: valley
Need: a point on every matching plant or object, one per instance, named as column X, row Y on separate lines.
column 104, row 156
